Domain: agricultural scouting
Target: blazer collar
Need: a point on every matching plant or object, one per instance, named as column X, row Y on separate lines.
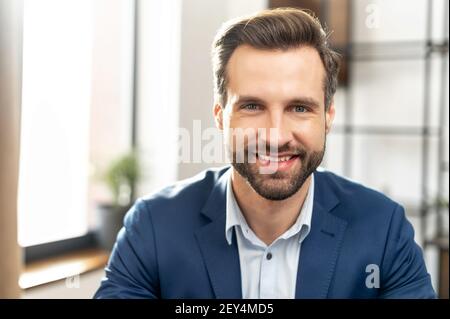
column 216, row 203
column 221, row 259
column 320, row 249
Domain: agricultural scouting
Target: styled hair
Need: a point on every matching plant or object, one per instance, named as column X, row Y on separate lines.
column 273, row 29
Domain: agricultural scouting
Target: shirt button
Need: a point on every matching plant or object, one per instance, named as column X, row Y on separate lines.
column 269, row 256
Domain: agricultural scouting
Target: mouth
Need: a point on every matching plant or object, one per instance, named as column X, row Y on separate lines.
column 280, row 162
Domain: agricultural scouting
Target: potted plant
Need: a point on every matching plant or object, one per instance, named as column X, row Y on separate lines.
column 120, row 177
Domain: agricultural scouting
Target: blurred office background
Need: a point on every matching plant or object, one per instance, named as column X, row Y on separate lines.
column 90, row 88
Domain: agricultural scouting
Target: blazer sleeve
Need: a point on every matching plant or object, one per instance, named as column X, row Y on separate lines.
column 132, row 267
column 403, row 270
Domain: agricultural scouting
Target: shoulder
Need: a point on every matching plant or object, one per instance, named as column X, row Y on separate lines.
column 180, row 200
column 355, row 199
column 350, row 189
column 192, row 190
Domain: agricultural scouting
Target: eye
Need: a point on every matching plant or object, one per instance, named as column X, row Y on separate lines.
column 250, row 107
column 299, row 109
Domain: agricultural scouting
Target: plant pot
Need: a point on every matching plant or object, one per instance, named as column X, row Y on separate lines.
column 110, row 221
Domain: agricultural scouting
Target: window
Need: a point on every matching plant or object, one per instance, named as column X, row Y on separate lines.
column 77, row 110
column 56, row 97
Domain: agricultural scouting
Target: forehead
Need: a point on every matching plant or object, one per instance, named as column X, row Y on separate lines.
column 276, row 73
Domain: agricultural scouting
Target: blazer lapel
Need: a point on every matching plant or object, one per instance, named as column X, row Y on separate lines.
column 221, row 259
column 320, row 249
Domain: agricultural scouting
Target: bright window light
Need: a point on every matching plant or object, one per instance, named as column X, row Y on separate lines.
column 56, row 98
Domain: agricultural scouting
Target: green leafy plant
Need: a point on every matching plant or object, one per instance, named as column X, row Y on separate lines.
column 441, row 202
column 121, row 178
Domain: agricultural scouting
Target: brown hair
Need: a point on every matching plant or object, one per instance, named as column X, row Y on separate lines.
column 281, row 28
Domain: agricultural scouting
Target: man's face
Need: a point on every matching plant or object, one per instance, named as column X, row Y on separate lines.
column 281, row 93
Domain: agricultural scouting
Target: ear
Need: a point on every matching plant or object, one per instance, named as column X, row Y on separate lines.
column 218, row 116
column 329, row 117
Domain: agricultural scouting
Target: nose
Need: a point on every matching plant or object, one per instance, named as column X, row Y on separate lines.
column 278, row 132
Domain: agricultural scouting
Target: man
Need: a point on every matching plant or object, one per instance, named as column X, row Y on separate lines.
column 271, row 225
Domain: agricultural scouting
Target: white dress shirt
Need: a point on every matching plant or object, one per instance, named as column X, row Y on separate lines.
column 268, row 271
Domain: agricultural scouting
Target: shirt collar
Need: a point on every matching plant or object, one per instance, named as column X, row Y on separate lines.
column 234, row 216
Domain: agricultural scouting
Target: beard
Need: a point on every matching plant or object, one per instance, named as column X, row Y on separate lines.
column 280, row 185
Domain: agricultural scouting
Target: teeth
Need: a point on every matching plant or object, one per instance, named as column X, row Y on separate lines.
column 274, row 158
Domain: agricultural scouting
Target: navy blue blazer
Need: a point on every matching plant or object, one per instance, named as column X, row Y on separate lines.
column 173, row 245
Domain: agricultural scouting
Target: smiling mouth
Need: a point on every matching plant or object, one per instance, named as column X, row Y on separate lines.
column 276, row 159
column 277, row 163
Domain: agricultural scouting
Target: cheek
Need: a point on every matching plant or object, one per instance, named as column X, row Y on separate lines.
column 238, row 121
column 310, row 134
column 241, row 133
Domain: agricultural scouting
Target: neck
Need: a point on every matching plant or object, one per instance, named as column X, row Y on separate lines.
column 267, row 218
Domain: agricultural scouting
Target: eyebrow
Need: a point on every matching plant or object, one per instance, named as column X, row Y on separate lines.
column 297, row 100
